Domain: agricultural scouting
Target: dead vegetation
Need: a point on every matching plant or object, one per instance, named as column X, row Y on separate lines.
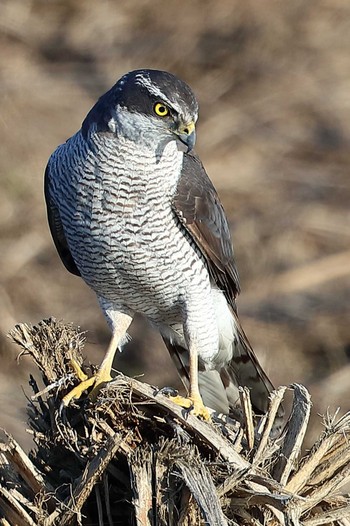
column 134, row 457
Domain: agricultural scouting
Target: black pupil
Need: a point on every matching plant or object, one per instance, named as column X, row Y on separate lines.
column 162, row 109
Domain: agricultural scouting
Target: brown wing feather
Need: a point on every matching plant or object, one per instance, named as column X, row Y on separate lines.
column 56, row 229
column 198, row 207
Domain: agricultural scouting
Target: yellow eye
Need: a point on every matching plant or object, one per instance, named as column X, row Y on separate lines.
column 161, row 110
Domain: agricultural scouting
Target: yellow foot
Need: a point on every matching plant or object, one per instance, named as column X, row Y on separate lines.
column 194, row 404
column 98, row 381
column 78, row 370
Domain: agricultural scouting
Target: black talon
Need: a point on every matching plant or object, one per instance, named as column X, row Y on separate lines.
column 168, row 391
column 62, row 412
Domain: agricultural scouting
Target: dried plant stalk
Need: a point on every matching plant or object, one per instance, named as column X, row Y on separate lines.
column 164, row 467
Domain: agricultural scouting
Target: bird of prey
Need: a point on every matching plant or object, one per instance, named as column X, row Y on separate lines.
column 133, row 212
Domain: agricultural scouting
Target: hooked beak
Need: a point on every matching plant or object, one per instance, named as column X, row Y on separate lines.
column 187, row 135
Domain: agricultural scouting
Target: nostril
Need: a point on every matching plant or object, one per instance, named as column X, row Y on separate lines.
column 187, row 131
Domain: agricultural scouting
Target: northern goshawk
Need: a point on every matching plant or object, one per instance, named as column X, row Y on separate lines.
column 133, row 212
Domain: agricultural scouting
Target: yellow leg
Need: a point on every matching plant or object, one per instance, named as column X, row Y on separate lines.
column 103, row 374
column 194, row 401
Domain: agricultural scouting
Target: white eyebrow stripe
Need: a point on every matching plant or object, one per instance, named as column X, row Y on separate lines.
column 153, row 90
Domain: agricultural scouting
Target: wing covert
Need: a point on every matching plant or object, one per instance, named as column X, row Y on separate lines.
column 198, row 207
column 56, row 228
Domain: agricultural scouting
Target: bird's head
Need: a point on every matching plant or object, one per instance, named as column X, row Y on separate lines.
column 148, row 105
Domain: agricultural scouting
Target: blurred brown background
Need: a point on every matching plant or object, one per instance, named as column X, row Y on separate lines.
column 273, row 82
